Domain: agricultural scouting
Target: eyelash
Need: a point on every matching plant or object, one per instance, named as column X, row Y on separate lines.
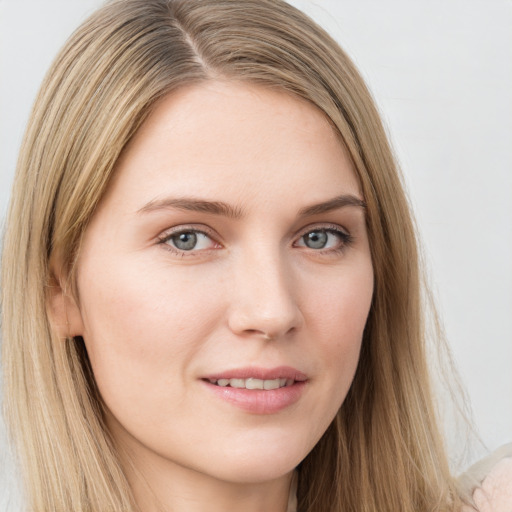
column 167, row 236
column 346, row 240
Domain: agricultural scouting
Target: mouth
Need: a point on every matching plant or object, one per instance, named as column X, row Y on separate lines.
column 253, row 383
column 258, row 390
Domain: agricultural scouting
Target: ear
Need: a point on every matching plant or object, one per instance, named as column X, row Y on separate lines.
column 63, row 311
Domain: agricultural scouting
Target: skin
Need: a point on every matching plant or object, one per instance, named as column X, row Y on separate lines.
column 156, row 320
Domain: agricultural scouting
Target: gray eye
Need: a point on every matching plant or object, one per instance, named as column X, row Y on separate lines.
column 189, row 241
column 185, row 241
column 315, row 239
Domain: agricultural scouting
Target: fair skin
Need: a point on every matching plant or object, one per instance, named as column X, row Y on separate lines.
column 231, row 244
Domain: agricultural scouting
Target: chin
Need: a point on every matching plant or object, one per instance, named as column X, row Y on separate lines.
column 255, row 472
column 262, row 461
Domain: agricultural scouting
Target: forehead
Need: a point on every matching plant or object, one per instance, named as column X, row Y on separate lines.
column 219, row 138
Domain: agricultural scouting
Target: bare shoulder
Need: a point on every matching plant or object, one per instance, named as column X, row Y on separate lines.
column 490, row 482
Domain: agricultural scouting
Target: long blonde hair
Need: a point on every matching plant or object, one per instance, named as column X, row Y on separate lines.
column 383, row 450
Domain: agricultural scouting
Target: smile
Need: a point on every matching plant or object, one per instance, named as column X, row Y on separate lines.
column 253, row 383
column 258, row 390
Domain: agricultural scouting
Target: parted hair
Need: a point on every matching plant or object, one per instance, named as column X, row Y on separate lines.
column 383, row 451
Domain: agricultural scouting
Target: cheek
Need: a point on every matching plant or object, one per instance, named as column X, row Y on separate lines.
column 143, row 332
column 154, row 302
column 337, row 316
column 340, row 308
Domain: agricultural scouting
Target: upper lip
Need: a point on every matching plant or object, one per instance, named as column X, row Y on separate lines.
column 279, row 372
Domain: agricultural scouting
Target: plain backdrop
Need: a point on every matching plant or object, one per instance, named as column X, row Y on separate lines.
column 441, row 73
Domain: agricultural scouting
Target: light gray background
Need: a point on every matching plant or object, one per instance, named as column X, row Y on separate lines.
column 441, row 72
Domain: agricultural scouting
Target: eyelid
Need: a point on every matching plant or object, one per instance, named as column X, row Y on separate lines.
column 344, row 234
column 167, row 234
column 323, row 226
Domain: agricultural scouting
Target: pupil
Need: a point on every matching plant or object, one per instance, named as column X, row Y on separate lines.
column 185, row 241
column 316, row 239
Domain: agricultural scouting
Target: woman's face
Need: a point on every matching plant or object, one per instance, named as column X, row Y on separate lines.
column 229, row 252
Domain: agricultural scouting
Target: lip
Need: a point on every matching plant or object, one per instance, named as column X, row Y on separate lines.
column 258, row 401
column 279, row 372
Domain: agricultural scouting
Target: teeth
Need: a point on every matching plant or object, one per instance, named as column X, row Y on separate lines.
column 271, row 384
column 252, row 383
column 237, row 383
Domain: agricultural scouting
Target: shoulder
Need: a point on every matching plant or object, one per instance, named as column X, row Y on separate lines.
column 490, row 483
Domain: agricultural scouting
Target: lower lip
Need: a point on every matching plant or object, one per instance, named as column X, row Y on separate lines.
column 259, row 401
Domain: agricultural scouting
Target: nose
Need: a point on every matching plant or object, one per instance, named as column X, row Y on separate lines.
column 264, row 299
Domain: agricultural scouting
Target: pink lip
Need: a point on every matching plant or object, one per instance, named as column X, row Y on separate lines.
column 280, row 372
column 258, row 401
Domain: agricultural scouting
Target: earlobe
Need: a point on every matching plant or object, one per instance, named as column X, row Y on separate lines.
column 63, row 311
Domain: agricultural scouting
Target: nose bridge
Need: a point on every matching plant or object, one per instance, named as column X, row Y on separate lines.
column 264, row 299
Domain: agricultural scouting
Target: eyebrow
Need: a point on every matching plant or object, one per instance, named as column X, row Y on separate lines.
column 332, row 204
column 234, row 212
column 192, row 204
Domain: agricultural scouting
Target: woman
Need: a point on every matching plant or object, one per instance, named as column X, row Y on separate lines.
column 211, row 239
